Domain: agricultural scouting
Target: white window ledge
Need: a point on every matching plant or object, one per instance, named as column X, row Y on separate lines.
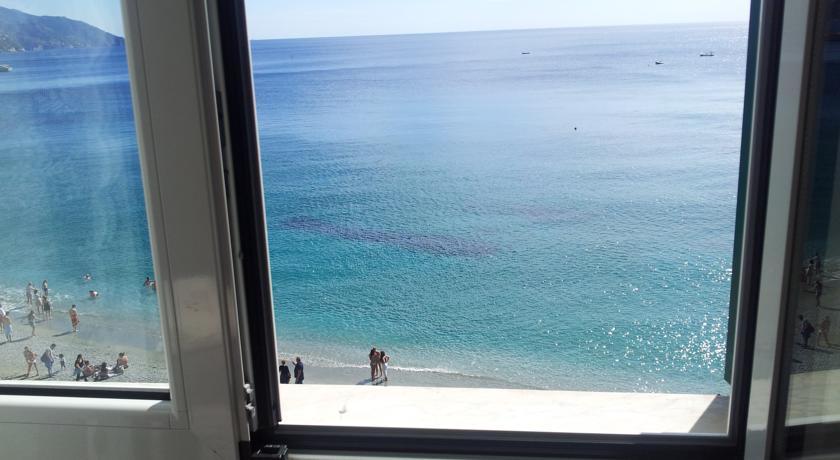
column 94, row 412
column 503, row 410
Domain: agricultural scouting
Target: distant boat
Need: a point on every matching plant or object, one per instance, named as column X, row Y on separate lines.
column 526, row 52
column 658, row 62
column 5, row 68
column 707, row 54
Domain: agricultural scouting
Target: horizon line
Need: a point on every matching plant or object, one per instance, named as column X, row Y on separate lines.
column 610, row 26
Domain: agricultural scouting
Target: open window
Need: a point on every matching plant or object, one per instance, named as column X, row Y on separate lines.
column 555, row 235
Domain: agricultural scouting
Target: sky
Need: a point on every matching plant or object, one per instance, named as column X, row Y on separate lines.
column 331, row 18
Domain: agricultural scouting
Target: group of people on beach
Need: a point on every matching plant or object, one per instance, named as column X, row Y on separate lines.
column 82, row 368
column 40, row 305
column 378, row 364
column 286, row 375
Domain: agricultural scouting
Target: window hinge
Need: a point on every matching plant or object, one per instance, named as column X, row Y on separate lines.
column 272, row 451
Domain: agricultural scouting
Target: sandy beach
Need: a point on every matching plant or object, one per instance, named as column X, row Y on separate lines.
column 96, row 340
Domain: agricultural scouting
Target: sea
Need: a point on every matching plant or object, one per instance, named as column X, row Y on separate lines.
column 541, row 208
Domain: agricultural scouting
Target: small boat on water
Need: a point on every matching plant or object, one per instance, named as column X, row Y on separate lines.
column 707, row 54
column 658, row 62
column 5, row 68
column 526, row 52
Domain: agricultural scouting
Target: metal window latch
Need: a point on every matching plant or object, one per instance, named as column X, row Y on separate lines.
column 272, row 451
column 250, row 409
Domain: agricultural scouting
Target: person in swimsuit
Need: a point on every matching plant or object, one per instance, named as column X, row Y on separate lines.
column 39, row 306
column 29, row 356
column 122, row 363
column 74, row 317
column 47, row 308
column 30, row 320
column 374, row 359
column 29, row 289
column 383, row 359
column 46, row 288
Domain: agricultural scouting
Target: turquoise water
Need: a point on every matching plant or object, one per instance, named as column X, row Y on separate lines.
column 72, row 193
column 429, row 195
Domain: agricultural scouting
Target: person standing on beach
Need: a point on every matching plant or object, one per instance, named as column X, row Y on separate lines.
column 285, row 375
column 39, row 306
column 46, row 288
column 29, row 356
column 298, row 371
column 30, row 319
column 29, row 289
column 823, row 330
column 383, row 359
column 74, row 318
column 805, row 330
column 374, row 360
column 48, row 358
column 818, row 288
column 47, row 308
column 7, row 328
column 78, row 366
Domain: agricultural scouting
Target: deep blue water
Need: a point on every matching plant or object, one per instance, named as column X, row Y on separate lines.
column 429, row 195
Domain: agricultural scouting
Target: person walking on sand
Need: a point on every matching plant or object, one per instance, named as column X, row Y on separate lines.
column 78, row 366
column 285, row 375
column 29, row 289
column 818, row 288
column 29, row 356
column 7, row 328
column 823, row 330
column 383, row 359
column 30, row 320
column 47, row 308
column 74, row 318
column 805, row 330
column 298, row 371
column 48, row 358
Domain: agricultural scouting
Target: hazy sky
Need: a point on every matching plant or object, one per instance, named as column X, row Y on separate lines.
column 323, row 18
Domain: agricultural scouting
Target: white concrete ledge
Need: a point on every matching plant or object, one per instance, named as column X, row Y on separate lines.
column 503, row 409
column 99, row 412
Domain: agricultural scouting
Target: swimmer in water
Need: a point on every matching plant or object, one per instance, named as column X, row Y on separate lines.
column 93, row 294
column 87, row 277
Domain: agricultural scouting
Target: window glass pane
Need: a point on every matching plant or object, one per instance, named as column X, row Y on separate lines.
column 813, row 408
column 543, row 209
column 74, row 243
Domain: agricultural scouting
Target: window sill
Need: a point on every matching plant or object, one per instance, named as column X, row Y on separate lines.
column 503, row 410
column 94, row 412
